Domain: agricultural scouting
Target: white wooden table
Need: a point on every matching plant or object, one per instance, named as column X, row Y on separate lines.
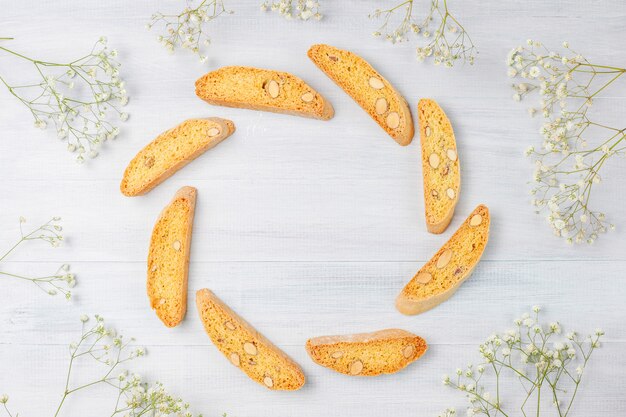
column 304, row 227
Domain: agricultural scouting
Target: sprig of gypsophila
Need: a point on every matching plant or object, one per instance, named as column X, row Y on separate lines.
column 186, row 29
column 109, row 352
column 300, row 9
column 575, row 144
column 59, row 282
column 448, row 43
column 535, row 355
column 77, row 97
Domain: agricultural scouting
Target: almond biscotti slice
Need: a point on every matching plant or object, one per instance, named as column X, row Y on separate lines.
column 261, row 89
column 171, row 151
column 368, row 88
column 440, row 166
column 168, row 258
column 367, row 354
column 444, row 273
column 245, row 347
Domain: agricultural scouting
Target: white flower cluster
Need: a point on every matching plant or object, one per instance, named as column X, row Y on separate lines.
column 567, row 165
column 446, row 39
column 289, row 9
column 59, row 282
column 108, row 350
column 530, row 353
column 449, row 412
column 76, row 97
column 186, row 29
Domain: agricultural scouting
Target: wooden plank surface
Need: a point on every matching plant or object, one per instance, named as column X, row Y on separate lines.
column 305, row 227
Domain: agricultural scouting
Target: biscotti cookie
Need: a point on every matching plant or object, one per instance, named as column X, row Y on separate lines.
column 261, row 89
column 245, row 347
column 440, row 166
column 368, row 88
column 444, row 273
column 171, row 151
column 168, row 258
column 367, row 354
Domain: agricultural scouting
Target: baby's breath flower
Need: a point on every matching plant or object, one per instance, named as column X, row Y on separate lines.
column 300, row 9
column 136, row 397
column 449, row 412
column 566, row 169
column 447, row 44
column 532, row 356
column 79, row 115
column 49, row 232
column 186, row 29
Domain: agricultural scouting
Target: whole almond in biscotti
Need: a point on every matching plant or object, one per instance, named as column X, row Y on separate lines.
column 444, row 273
column 261, row 89
column 171, row 151
column 440, row 166
column 368, row 88
column 168, row 258
column 245, row 347
column 367, row 354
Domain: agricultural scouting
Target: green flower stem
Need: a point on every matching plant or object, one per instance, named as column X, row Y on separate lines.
column 48, row 232
column 38, row 279
column 7, row 410
column 29, row 236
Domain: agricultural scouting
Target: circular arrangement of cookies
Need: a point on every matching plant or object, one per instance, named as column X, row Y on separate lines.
column 366, row 354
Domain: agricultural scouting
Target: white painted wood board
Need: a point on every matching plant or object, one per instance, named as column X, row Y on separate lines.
column 305, row 227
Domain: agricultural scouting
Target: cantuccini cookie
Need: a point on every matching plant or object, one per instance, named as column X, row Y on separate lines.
column 444, row 273
column 171, row 151
column 262, row 89
column 168, row 258
column 368, row 88
column 367, row 354
column 245, row 347
column 440, row 166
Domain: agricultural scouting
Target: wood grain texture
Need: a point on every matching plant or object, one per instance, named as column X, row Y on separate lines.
column 305, row 227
